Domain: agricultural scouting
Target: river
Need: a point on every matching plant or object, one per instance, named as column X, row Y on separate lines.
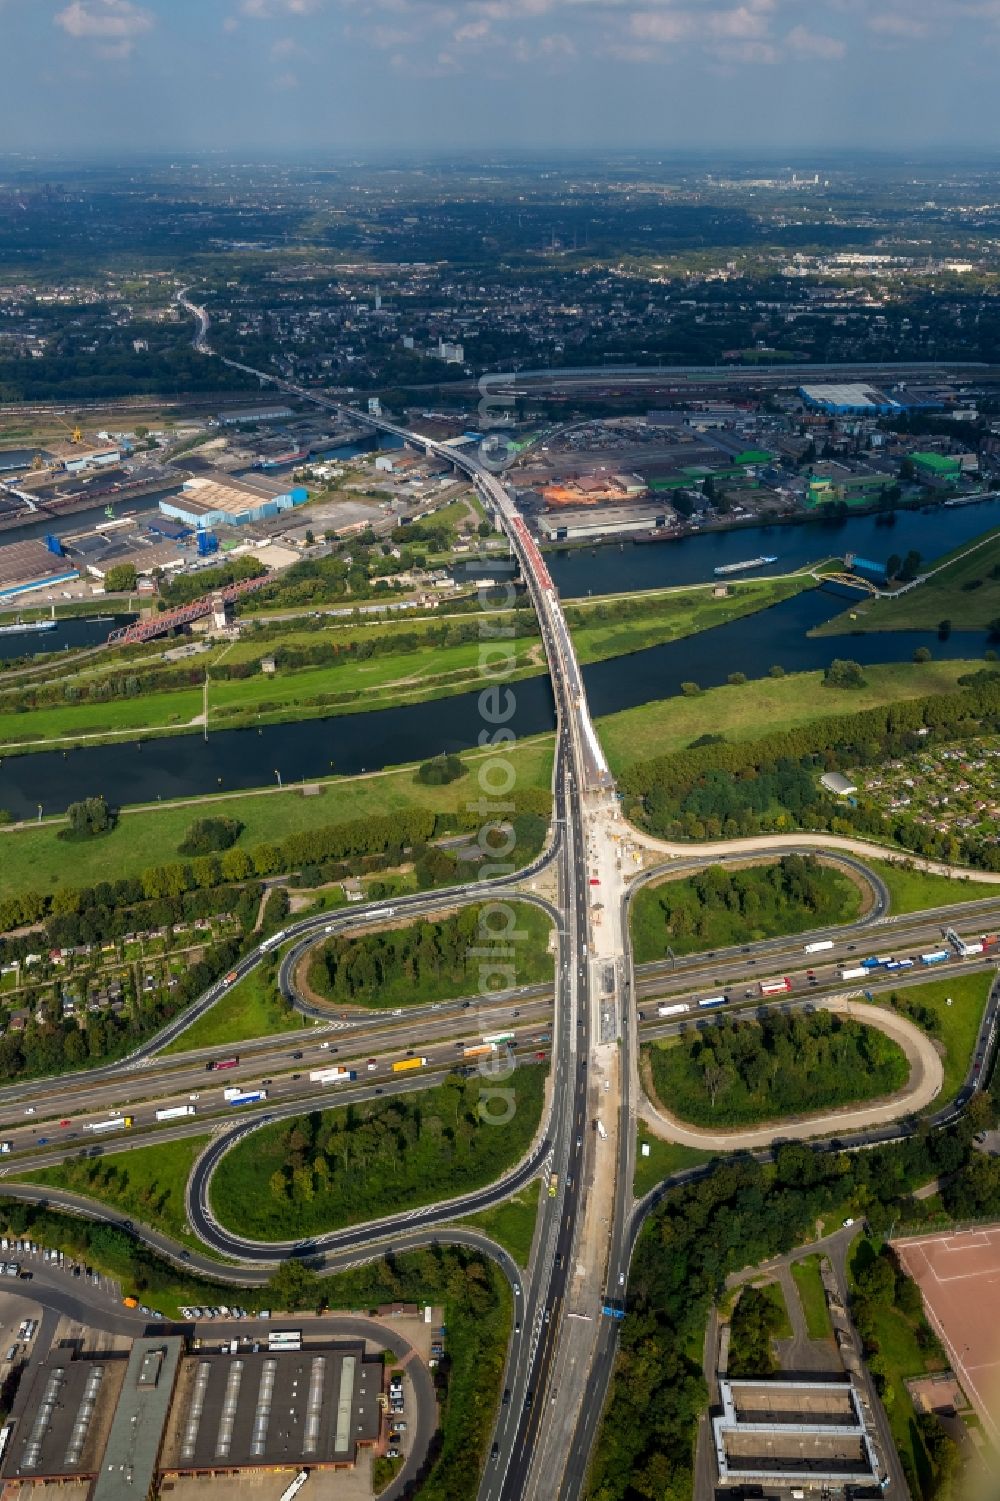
column 615, row 568
column 190, row 766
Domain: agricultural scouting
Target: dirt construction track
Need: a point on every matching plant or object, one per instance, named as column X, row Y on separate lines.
column 922, row 1087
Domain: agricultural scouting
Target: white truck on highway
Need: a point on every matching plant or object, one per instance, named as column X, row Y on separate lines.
column 175, row 1112
column 819, row 946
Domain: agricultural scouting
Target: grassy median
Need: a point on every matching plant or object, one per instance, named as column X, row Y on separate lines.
column 744, row 1073
column 322, row 1171
column 147, row 1184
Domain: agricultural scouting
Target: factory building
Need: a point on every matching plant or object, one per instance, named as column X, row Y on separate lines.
column 25, row 566
column 100, row 458
column 607, row 521
column 255, row 414
column 793, row 1433
column 207, row 503
column 937, row 469
column 120, row 1425
column 272, row 1409
column 849, row 399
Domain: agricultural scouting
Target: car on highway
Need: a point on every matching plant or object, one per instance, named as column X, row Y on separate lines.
column 65, row 1123
column 29, row 1109
column 296, row 1056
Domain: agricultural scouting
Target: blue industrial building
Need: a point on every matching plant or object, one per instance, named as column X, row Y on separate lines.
column 205, row 504
column 858, row 399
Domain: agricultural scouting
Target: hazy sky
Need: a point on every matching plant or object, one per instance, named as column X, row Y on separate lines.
column 463, row 74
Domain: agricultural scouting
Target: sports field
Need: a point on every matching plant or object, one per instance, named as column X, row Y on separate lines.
column 958, row 1273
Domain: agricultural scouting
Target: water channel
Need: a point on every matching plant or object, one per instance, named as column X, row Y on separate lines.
column 190, row 766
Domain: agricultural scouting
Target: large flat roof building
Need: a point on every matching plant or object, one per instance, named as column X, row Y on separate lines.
column 270, row 1409
column 62, row 1417
column 788, row 1432
column 206, row 503
column 119, row 1424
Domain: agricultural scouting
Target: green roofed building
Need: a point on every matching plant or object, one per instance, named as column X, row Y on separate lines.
column 753, row 456
column 935, row 468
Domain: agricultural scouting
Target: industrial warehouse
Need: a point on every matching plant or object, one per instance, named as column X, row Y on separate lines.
column 113, row 1424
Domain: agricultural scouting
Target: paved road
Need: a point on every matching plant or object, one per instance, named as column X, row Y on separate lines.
column 922, row 1088
column 720, row 849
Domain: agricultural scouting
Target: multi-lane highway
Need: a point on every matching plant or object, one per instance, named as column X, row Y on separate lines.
column 562, row 1346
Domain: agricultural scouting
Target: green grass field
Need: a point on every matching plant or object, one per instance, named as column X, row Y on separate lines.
column 955, row 1027
column 375, row 682
column 677, row 613
column 812, row 1297
column 740, row 713
column 358, row 1162
column 965, row 591
column 917, row 891
column 35, row 858
column 147, row 1183
column 252, row 1008
column 511, row 1223
column 665, row 1157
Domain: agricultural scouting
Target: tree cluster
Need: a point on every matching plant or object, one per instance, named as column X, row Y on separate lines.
column 772, row 783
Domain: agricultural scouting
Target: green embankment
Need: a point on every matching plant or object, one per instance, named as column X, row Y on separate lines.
column 742, row 1073
column 916, row 891
column 254, row 1007
column 462, row 954
column 146, row 1183
column 35, row 858
column 812, row 1296
column 765, row 705
column 423, row 669
column 718, row 907
column 603, row 627
column 341, row 1167
column 965, row 591
column 511, row 1223
column 954, row 1026
column 665, row 1158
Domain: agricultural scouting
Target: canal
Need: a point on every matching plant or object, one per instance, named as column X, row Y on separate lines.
column 190, row 766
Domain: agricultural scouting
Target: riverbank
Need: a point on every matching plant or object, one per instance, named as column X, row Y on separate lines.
column 958, row 594
column 149, row 832
column 746, row 711
column 364, row 681
column 35, row 858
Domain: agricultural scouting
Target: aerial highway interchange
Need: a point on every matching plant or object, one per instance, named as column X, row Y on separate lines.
column 587, row 1028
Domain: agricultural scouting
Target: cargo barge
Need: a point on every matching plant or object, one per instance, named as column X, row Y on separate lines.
column 747, row 563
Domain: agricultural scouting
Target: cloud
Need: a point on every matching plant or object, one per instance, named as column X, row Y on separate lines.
column 270, row 10
column 806, row 43
column 901, row 27
column 113, row 24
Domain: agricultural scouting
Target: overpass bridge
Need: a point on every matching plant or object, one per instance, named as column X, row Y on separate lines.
column 581, row 1232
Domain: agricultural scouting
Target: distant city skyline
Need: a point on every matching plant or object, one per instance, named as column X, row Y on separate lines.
column 97, row 76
